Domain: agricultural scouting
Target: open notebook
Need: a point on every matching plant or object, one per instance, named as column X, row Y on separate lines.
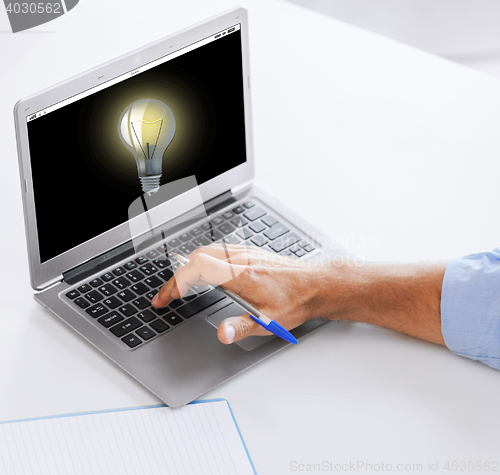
column 200, row 438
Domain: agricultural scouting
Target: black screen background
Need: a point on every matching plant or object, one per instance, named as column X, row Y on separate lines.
column 78, row 195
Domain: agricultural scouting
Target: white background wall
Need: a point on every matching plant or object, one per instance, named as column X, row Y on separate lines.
column 466, row 31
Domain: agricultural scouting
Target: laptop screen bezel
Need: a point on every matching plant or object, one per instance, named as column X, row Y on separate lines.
column 51, row 271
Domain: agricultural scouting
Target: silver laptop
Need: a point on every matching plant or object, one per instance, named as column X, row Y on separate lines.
column 174, row 111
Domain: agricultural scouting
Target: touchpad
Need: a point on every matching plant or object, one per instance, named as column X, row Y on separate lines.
column 234, row 310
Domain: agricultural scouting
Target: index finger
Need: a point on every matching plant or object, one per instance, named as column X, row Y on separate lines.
column 202, row 267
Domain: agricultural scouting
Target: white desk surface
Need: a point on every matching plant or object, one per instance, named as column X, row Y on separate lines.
column 381, row 145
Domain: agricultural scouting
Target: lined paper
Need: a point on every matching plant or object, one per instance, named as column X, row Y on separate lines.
column 195, row 439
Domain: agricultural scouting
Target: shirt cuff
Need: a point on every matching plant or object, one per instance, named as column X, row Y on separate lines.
column 470, row 307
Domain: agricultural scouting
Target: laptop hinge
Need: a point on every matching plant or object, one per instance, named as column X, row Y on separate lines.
column 123, row 251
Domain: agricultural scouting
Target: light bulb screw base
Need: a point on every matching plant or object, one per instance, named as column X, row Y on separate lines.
column 150, row 183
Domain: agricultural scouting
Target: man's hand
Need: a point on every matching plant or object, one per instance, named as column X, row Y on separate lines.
column 402, row 297
column 281, row 288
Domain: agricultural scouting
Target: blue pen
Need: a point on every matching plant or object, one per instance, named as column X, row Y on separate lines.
column 265, row 322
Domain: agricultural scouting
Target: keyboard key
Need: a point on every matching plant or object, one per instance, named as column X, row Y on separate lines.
column 254, row 214
column 151, row 294
column 278, row 246
column 81, row 302
column 108, row 289
column 163, row 249
column 259, row 240
column 295, row 248
column 135, row 275
column 126, row 295
column 94, row 296
column 166, row 274
column 174, row 243
column 130, row 265
column 110, row 319
column 275, row 231
column 172, row 318
column 239, row 222
column 126, row 326
column 286, row 253
column 244, row 233
column 145, row 333
column 153, row 281
column 189, row 296
column 175, row 303
column 84, row 288
column 226, row 228
column 127, row 310
column 119, row 271
column 214, row 235
column 202, row 302
column 159, row 325
column 200, row 289
column 249, row 204
column 185, row 237
column 141, row 260
column 160, row 311
column 152, row 254
column 285, row 242
column 217, row 220
column 121, row 282
column 206, row 226
column 227, row 215
column 148, row 269
column 201, row 241
column 73, row 294
column 257, row 227
column 232, row 239
column 140, row 288
column 196, row 232
column 146, row 316
column 96, row 282
column 300, row 253
column 269, row 220
column 238, row 209
column 141, row 303
column 97, row 310
column 187, row 248
column 112, row 302
column 161, row 263
column 309, row 248
column 132, row 340
column 107, row 277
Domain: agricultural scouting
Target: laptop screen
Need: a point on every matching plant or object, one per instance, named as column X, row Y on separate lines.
column 93, row 154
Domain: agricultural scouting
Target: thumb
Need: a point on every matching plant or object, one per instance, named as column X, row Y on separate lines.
column 235, row 329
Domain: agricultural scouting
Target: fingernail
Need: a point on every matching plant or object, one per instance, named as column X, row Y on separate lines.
column 155, row 299
column 230, row 333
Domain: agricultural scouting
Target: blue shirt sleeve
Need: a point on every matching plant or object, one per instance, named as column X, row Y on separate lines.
column 470, row 307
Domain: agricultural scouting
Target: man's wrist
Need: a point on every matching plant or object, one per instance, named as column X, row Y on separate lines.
column 401, row 297
column 333, row 292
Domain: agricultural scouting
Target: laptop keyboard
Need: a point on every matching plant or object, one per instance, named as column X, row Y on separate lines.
column 120, row 300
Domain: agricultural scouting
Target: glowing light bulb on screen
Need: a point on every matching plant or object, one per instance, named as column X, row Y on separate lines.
column 146, row 128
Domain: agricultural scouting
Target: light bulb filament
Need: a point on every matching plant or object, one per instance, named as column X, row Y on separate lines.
column 148, row 155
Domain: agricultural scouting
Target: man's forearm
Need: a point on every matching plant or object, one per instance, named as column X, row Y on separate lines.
column 405, row 298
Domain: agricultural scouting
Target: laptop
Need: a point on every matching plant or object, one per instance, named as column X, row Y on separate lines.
column 92, row 146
